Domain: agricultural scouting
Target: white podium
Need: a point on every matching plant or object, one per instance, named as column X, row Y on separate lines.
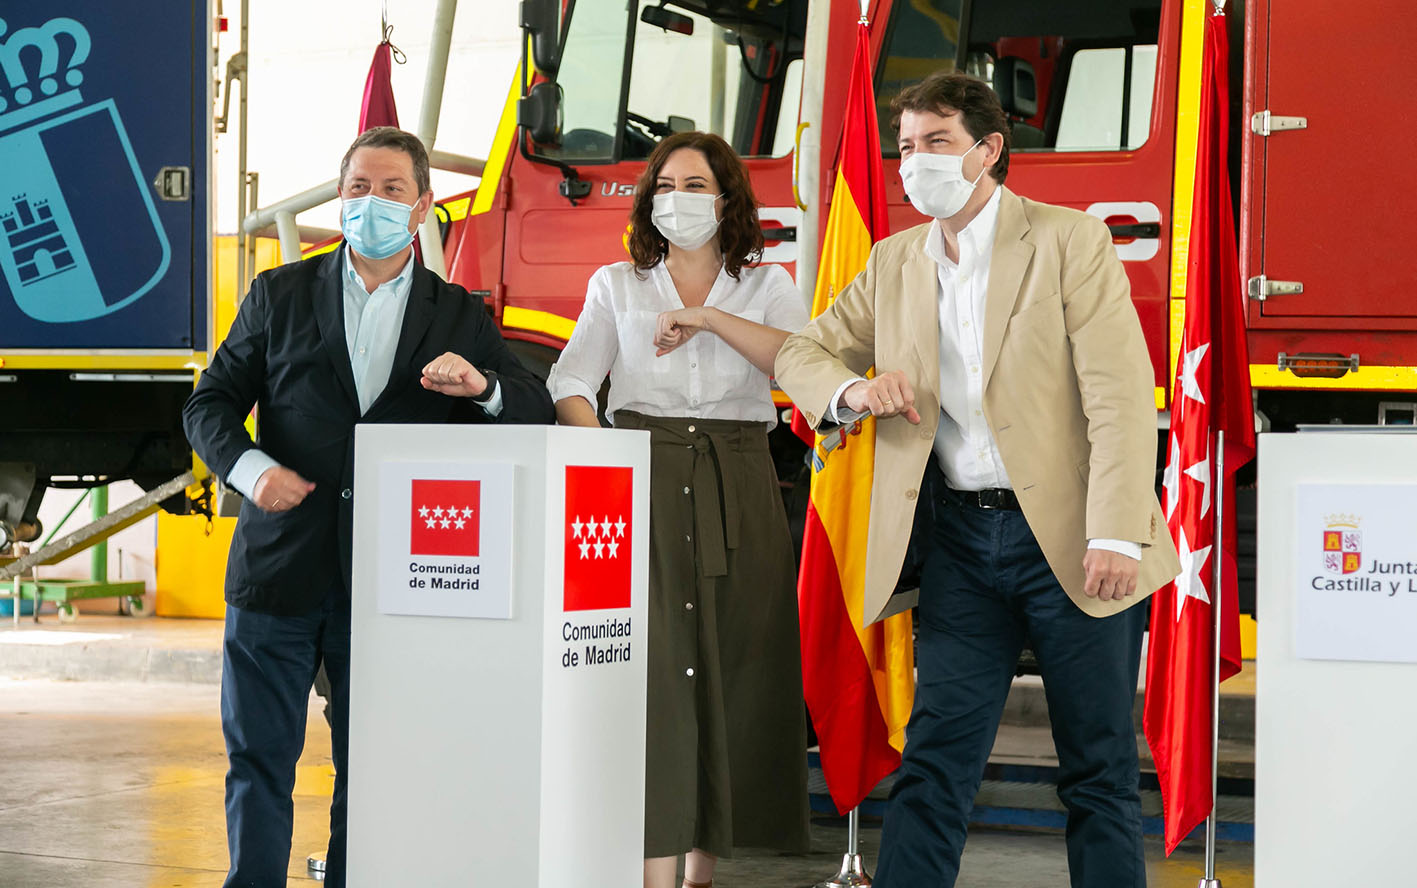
column 1336, row 668
column 497, row 713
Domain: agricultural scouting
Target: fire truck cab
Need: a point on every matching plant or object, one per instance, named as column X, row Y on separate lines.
column 1081, row 81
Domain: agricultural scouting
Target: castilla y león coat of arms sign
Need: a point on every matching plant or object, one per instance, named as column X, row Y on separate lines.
column 1343, row 544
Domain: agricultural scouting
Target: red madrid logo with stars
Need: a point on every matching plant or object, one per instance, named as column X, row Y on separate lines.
column 598, row 523
column 445, row 518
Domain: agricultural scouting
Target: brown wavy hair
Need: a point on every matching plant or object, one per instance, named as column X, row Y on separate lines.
column 740, row 237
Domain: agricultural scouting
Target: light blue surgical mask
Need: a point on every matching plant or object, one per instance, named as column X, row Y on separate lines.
column 376, row 228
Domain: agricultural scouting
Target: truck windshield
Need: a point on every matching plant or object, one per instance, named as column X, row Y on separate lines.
column 1075, row 76
column 731, row 74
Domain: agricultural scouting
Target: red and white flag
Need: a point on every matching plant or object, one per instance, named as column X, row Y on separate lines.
column 1211, row 393
column 599, row 519
column 445, row 518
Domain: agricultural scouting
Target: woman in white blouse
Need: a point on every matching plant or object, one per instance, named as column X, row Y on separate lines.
column 687, row 332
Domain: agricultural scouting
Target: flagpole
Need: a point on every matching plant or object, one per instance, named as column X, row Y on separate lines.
column 853, row 872
column 1217, row 560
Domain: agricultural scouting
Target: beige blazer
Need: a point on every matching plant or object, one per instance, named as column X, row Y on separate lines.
column 1067, row 392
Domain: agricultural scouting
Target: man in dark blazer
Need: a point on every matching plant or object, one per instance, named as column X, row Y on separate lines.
column 361, row 334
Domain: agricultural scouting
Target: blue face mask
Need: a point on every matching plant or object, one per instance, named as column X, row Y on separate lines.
column 376, row 228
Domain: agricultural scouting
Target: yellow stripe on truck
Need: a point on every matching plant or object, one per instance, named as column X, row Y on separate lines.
column 538, row 322
column 501, row 150
column 1401, row 379
column 98, row 360
column 1188, row 102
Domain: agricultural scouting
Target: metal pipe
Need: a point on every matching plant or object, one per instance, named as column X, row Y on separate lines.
column 98, row 555
column 253, row 185
column 431, row 240
column 717, row 82
column 264, row 217
column 65, row 520
column 456, row 163
column 1217, row 560
column 289, row 237
column 244, row 271
column 309, row 234
column 296, row 203
column 809, row 159
column 437, row 72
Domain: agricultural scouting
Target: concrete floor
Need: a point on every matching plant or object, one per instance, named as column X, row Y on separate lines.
column 119, row 785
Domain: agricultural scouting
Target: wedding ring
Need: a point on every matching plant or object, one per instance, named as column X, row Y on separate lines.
column 276, row 503
column 887, row 403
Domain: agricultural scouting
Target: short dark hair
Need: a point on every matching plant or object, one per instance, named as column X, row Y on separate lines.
column 973, row 99
column 400, row 140
column 740, row 237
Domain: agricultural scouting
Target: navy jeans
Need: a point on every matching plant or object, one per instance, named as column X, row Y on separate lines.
column 985, row 590
column 268, row 667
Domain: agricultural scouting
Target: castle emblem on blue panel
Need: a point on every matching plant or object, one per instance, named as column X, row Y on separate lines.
column 70, row 249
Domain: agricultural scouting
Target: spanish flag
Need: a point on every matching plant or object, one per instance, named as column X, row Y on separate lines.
column 858, row 682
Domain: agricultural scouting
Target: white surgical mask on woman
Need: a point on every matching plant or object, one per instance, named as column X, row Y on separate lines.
column 687, row 220
column 936, row 184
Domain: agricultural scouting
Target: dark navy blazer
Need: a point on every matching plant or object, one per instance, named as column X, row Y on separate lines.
column 287, row 354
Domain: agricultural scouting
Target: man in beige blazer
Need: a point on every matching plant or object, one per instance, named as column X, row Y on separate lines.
column 1013, row 388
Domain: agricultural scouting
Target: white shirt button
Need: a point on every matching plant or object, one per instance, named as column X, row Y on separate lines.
column 693, row 364
column 361, row 351
column 689, row 672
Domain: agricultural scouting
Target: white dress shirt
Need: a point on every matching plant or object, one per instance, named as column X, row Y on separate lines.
column 964, row 446
column 705, row 377
column 372, row 324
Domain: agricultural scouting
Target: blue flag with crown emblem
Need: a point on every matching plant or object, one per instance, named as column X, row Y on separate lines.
column 84, row 226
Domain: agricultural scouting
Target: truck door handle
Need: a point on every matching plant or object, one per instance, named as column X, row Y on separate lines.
column 1136, row 229
column 780, row 234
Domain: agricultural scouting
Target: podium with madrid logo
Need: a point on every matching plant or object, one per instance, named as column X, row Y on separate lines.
column 497, row 678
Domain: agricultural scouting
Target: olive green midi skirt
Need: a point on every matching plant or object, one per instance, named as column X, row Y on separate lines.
column 726, row 744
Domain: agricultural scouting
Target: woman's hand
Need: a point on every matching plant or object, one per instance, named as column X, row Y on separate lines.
column 679, row 326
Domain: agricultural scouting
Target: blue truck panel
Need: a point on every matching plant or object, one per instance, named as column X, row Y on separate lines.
column 96, row 100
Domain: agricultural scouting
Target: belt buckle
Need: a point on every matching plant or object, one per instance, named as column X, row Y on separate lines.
column 990, row 499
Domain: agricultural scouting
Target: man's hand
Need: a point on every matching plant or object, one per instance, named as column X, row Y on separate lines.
column 674, row 328
column 1110, row 575
column 889, row 394
column 450, row 374
column 280, row 490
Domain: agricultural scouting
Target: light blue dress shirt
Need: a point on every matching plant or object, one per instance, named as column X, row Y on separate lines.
column 372, row 323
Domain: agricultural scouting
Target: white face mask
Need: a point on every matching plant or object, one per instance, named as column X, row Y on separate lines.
column 936, row 184
column 688, row 221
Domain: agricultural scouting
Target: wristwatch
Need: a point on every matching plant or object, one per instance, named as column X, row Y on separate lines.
column 488, row 393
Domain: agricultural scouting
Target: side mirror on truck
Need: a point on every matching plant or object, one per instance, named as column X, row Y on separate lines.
column 541, row 22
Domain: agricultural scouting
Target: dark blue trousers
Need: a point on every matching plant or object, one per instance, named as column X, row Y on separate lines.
column 985, row 590
column 268, row 667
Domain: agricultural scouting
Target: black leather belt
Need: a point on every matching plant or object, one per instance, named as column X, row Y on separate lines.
column 991, row 498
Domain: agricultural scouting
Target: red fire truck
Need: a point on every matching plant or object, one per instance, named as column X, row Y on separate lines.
column 1103, row 95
